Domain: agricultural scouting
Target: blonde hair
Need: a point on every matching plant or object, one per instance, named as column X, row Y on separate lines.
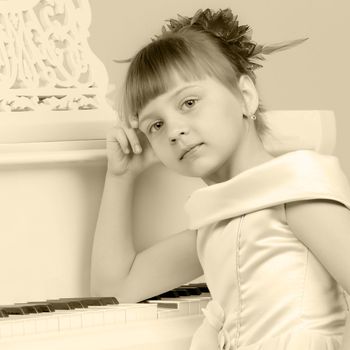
column 191, row 53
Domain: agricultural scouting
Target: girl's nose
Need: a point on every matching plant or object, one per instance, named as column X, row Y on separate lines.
column 177, row 134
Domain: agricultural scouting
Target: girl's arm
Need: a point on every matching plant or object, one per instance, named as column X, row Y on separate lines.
column 324, row 227
column 116, row 268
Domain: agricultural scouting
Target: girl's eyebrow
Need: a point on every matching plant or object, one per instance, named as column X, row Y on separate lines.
column 171, row 96
column 180, row 90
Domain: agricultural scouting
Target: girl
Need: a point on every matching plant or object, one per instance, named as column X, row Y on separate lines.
column 271, row 234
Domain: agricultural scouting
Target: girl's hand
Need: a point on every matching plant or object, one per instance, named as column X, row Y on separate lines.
column 128, row 151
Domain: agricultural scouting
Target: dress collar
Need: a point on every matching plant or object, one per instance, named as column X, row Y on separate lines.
column 293, row 176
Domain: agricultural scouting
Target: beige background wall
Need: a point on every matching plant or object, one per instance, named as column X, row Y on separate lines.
column 314, row 75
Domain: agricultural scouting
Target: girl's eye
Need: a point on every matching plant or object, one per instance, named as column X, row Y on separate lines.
column 189, row 103
column 156, row 126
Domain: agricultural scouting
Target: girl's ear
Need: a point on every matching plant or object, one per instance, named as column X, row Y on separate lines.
column 250, row 98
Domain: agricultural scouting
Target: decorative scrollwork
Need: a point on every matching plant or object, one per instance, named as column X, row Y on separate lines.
column 16, row 103
column 44, row 48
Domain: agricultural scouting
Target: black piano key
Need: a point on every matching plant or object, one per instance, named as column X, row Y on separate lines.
column 3, row 313
column 34, row 307
column 61, row 305
column 85, row 302
column 75, row 304
column 81, row 302
column 192, row 290
column 42, row 307
column 14, row 310
column 185, row 290
column 202, row 286
column 170, row 294
column 66, row 304
column 109, row 300
column 53, row 305
column 182, row 291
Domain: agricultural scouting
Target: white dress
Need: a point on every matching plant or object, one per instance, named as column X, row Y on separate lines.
column 269, row 291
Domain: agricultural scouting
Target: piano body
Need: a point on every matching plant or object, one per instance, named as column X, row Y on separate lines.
column 53, row 120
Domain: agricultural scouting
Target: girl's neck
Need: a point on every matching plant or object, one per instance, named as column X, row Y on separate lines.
column 249, row 154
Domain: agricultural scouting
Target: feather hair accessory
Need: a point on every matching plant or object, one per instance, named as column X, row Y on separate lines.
column 224, row 25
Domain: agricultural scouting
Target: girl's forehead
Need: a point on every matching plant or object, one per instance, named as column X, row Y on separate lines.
column 177, row 80
column 176, row 85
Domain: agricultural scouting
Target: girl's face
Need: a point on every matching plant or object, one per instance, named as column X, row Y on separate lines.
column 194, row 128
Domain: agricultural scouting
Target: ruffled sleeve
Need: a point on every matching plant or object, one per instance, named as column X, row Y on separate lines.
column 294, row 176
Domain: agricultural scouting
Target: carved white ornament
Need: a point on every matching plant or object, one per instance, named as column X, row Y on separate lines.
column 45, row 60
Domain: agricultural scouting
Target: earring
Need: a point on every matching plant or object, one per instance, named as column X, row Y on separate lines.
column 253, row 117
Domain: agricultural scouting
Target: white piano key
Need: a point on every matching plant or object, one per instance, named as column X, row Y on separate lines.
column 76, row 320
column 182, row 307
column 29, row 325
column 196, row 302
column 168, row 313
column 64, row 320
column 113, row 316
column 17, row 327
column 41, row 324
column 112, row 313
column 52, row 322
column 132, row 312
column 203, row 300
column 194, row 305
column 56, row 321
column 20, row 325
column 95, row 316
column 6, row 328
column 92, row 318
column 142, row 311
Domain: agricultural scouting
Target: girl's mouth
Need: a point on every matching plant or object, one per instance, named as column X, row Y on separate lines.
column 190, row 150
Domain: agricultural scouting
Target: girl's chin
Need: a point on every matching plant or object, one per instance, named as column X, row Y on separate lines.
column 198, row 171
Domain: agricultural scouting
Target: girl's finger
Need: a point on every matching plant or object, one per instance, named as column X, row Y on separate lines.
column 118, row 135
column 133, row 140
column 130, row 122
column 134, row 122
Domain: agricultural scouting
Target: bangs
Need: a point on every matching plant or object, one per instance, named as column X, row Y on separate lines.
column 153, row 70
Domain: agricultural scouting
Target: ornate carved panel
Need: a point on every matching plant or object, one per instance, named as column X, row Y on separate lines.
column 45, row 60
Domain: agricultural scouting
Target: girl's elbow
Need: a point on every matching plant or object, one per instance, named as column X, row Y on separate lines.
column 108, row 288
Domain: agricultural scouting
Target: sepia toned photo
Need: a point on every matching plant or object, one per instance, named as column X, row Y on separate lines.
column 174, row 175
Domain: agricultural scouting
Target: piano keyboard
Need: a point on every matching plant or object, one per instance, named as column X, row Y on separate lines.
column 165, row 322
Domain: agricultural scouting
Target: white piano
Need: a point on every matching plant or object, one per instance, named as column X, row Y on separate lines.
column 167, row 322
column 53, row 120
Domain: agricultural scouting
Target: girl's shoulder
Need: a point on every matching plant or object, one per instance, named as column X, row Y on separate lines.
column 294, row 176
